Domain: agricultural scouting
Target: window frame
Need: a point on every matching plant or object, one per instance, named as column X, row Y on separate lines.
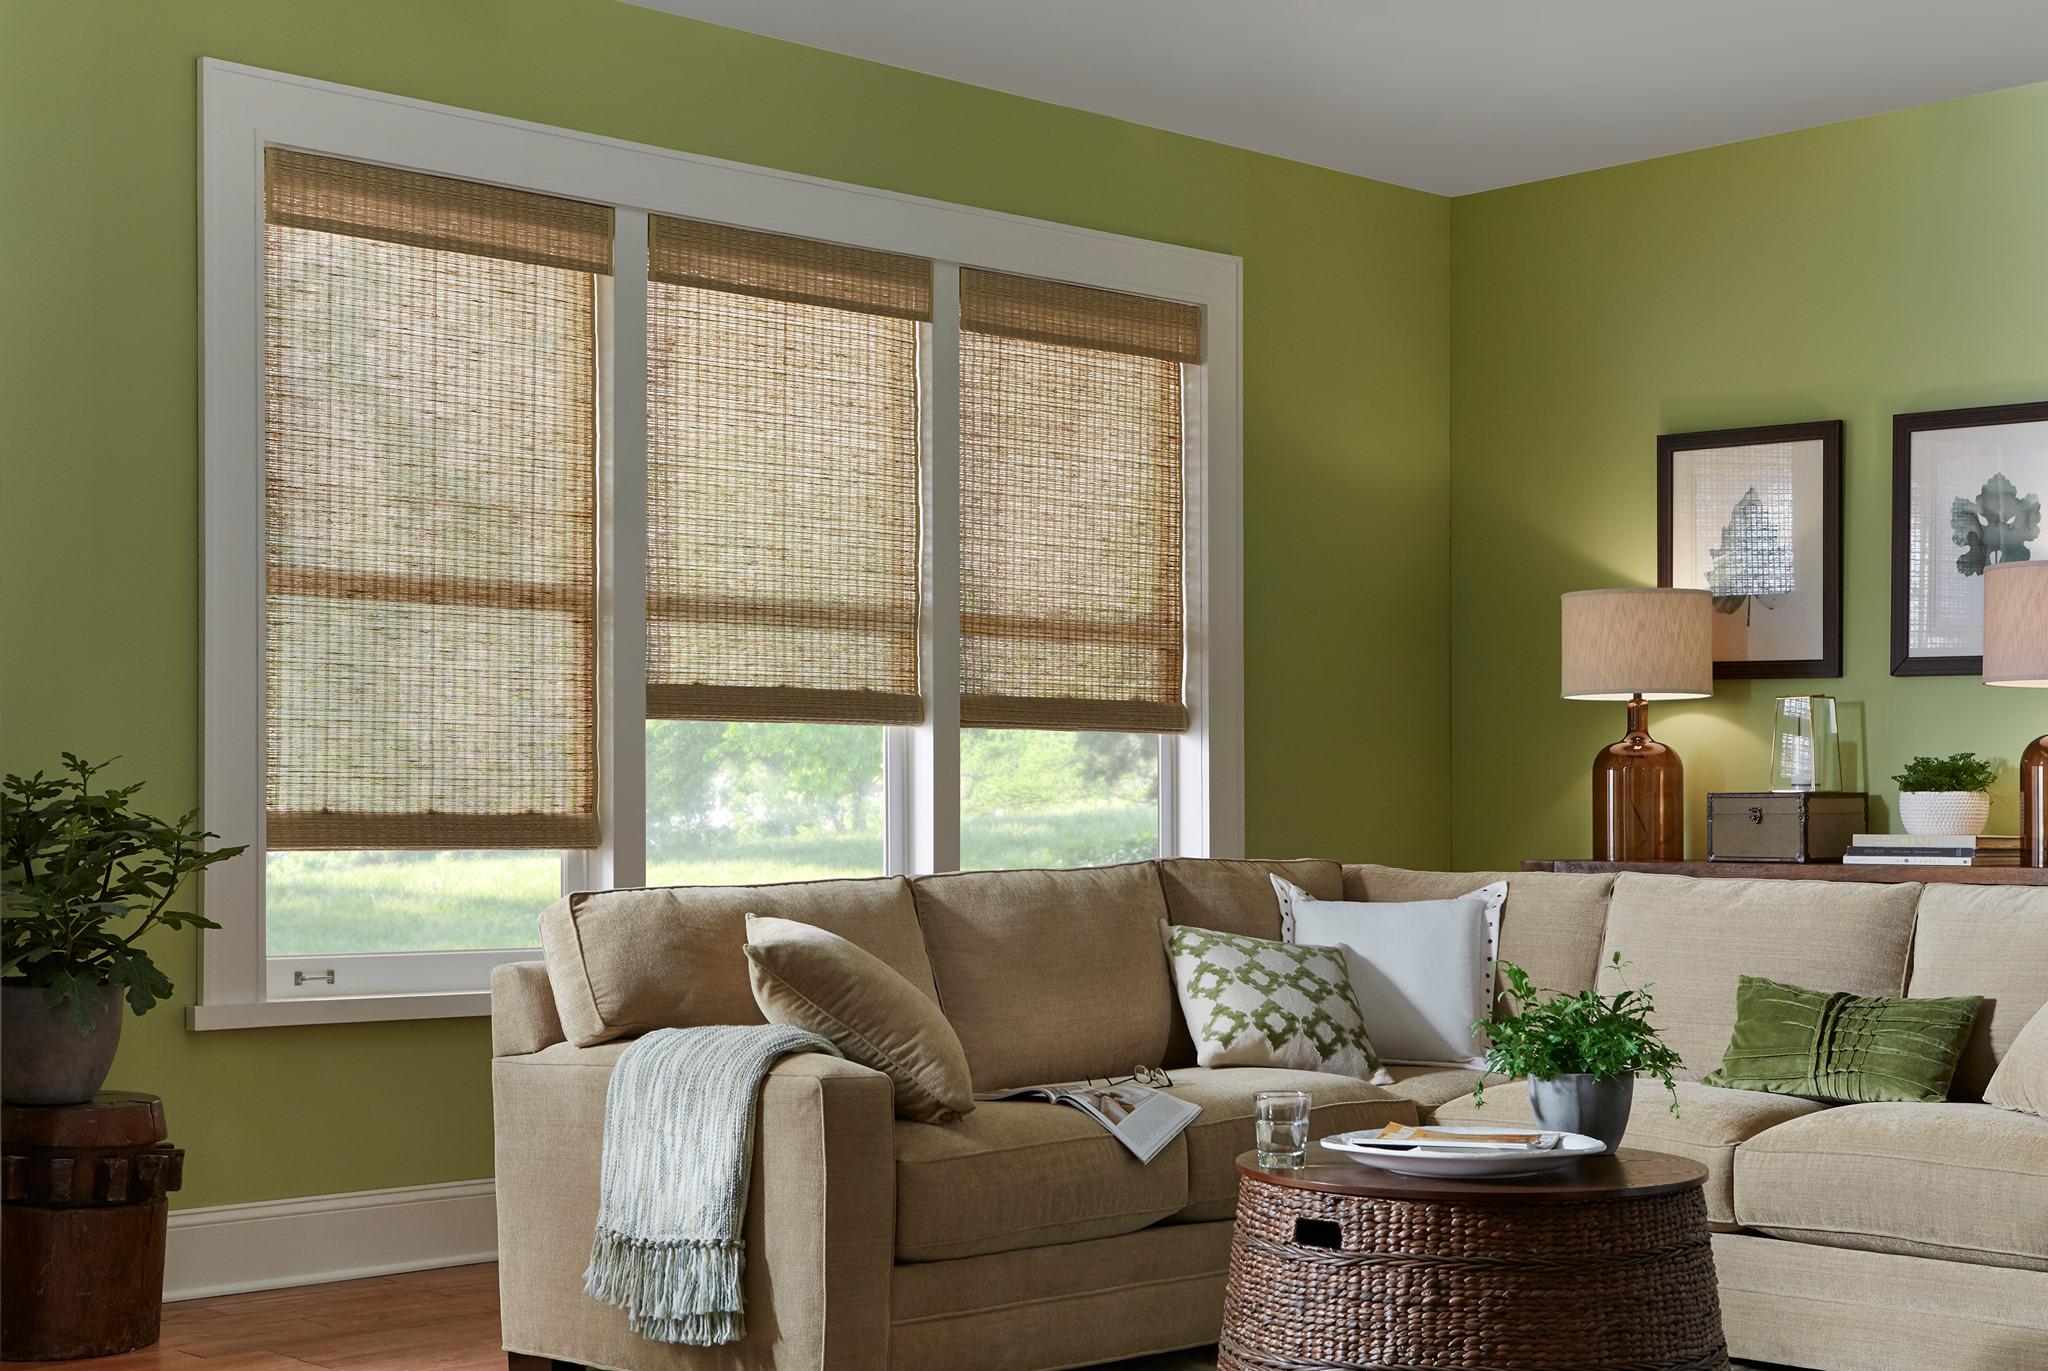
column 243, row 109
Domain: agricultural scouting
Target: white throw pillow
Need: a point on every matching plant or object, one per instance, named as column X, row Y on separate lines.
column 1422, row 971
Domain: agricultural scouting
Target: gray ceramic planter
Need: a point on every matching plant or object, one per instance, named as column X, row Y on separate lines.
column 1583, row 1104
column 43, row 1059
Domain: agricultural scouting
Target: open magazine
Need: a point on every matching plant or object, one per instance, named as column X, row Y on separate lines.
column 1141, row 1118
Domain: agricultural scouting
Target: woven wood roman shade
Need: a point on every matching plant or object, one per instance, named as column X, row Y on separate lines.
column 430, row 463
column 782, row 470
column 1070, row 506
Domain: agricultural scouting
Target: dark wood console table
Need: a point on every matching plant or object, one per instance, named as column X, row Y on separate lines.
column 1807, row 871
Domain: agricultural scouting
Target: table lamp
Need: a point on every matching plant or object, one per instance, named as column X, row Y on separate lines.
column 1638, row 646
column 2016, row 654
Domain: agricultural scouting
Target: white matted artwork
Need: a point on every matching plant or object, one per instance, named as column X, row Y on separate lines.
column 1967, row 487
column 1753, row 516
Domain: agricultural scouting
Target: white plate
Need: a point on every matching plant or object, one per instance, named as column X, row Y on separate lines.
column 1464, row 1162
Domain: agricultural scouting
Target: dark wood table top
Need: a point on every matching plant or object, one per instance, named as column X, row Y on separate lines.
column 1806, row 871
column 112, row 1118
column 1628, row 1173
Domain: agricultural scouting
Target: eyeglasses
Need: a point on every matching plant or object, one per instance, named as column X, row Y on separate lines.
column 1141, row 1075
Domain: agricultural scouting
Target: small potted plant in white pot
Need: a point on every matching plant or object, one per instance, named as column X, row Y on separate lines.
column 76, row 865
column 1946, row 795
column 1581, row 1053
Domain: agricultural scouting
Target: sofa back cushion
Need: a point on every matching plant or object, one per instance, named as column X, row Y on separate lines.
column 1236, row 896
column 627, row 961
column 1694, row 938
column 1550, row 925
column 1050, row 975
column 1989, row 940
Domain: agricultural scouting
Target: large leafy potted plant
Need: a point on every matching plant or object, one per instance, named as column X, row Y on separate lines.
column 1580, row 1052
column 1946, row 795
column 83, row 876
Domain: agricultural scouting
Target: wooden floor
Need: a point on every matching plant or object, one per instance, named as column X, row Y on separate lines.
column 444, row 1320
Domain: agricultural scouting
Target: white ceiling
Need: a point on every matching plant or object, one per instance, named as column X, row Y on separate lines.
column 1445, row 95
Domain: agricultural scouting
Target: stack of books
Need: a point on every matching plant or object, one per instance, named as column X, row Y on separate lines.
column 1945, row 849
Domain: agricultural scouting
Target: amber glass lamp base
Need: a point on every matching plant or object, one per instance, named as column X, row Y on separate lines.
column 2034, row 803
column 1638, row 797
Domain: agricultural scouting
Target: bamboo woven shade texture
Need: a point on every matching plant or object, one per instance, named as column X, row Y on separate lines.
column 411, row 208
column 782, row 478
column 1078, row 316
column 799, row 271
column 430, row 464
column 1070, row 506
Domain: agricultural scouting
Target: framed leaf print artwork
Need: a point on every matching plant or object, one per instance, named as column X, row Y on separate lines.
column 1967, row 486
column 1754, row 515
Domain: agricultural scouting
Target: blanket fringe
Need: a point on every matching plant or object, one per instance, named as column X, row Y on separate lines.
column 682, row 1290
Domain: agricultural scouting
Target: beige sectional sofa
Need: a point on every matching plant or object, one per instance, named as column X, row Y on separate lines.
column 1022, row 1237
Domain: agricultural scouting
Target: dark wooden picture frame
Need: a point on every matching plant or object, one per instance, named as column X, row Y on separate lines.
column 1904, row 427
column 1828, row 433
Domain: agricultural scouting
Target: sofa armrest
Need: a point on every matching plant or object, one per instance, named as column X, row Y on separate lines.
column 820, row 1225
column 523, row 1017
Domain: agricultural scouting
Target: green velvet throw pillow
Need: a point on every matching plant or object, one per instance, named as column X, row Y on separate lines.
column 1842, row 1048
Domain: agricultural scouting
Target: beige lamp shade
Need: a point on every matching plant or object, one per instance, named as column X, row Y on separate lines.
column 1654, row 643
column 2016, row 624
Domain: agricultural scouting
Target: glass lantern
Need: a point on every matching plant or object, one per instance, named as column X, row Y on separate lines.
column 1806, row 752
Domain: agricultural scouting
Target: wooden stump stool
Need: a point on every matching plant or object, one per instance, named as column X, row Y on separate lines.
column 83, row 1225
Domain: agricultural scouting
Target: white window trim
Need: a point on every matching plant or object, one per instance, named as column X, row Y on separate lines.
column 243, row 109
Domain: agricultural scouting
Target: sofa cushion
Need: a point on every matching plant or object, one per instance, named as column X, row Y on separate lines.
column 1690, row 939
column 1989, row 940
column 1430, row 1087
column 1224, row 1131
column 1968, row 1182
column 812, row 978
column 2021, row 1081
column 1016, row 1174
column 1050, row 975
column 1711, row 1123
column 626, row 961
column 1550, row 925
column 1237, row 896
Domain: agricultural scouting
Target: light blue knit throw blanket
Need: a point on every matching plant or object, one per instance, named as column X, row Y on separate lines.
column 678, row 1146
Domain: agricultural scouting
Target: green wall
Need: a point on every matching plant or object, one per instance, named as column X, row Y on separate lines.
column 1346, row 444
column 1855, row 271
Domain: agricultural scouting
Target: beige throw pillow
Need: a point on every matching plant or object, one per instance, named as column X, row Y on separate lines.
column 2021, row 1081
column 811, row 978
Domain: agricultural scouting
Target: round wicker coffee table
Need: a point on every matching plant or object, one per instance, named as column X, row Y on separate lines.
column 1603, row 1265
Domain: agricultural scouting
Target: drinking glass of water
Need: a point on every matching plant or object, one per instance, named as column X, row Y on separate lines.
column 1281, row 1127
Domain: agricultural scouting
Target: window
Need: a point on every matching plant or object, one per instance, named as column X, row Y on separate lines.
column 370, row 901
column 782, row 474
column 738, row 803
column 1070, row 505
column 1037, row 797
column 1071, row 572
column 779, row 530
column 430, row 472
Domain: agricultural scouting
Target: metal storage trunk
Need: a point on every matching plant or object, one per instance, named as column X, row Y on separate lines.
column 1783, row 825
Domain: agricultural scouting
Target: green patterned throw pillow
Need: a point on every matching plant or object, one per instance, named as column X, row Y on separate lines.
column 1250, row 1002
column 1842, row 1048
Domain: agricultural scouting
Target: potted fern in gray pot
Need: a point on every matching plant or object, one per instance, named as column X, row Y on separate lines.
column 1580, row 1052
column 83, row 876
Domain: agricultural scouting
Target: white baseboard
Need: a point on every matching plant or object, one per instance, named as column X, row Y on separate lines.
column 229, row 1248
